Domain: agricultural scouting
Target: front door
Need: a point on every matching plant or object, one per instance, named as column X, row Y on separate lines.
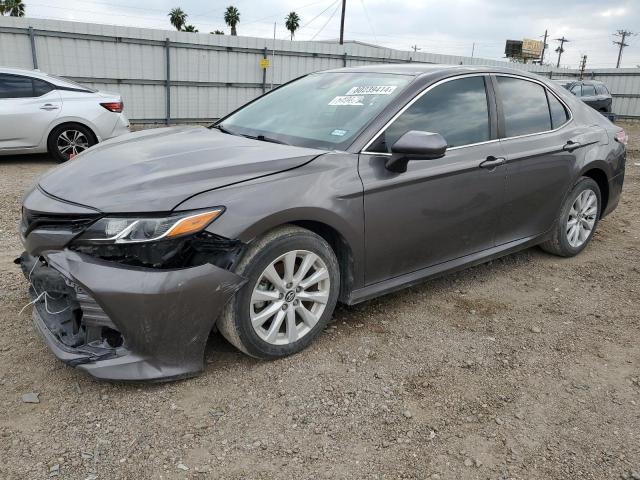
column 437, row 210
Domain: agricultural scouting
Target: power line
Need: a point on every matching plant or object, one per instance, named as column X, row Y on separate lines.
column 623, row 34
column 319, row 15
column 366, row 13
column 327, row 23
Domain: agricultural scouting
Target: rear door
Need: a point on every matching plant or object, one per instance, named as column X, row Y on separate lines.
column 540, row 141
column 437, row 210
column 27, row 108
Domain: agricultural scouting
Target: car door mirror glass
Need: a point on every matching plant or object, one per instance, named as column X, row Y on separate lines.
column 415, row 145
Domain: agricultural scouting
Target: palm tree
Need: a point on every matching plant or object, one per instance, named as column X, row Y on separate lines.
column 232, row 18
column 217, row 32
column 292, row 22
column 178, row 18
column 190, row 28
column 15, row 8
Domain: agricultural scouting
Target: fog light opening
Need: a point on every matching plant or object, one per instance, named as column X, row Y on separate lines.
column 112, row 337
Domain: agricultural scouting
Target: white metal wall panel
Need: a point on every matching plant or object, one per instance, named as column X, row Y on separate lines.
column 138, row 71
column 15, row 50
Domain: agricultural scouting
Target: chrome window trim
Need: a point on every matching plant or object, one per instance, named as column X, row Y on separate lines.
column 364, row 151
column 548, row 90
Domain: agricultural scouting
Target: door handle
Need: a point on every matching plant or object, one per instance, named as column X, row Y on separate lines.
column 492, row 162
column 571, row 145
column 49, row 106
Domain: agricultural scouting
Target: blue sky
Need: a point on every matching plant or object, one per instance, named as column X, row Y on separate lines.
column 449, row 27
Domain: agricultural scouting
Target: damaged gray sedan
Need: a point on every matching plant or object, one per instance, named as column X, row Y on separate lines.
column 339, row 186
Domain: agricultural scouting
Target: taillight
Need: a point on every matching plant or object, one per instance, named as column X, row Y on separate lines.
column 113, row 106
column 622, row 137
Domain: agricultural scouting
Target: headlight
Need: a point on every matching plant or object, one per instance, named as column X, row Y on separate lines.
column 149, row 229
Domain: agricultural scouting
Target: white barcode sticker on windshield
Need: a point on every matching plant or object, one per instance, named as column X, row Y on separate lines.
column 344, row 100
column 373, row 90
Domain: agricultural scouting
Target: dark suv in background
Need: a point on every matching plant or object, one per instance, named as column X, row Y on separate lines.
column 593, row 93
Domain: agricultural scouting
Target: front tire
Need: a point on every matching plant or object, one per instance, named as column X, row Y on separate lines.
column 577, row 221
column 68, row 140
column 293, row 281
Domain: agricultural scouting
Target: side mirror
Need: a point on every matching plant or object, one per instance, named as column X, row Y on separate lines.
column 415, row 145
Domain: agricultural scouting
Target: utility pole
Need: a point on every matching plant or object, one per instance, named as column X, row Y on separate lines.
column 415, row 48
column 583, row 65
column 473, row 49
column 560, row 49
column 544, row 46
column 623, row 34
column 344, row 7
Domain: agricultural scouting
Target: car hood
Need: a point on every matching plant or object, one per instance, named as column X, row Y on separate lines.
column 157, row 169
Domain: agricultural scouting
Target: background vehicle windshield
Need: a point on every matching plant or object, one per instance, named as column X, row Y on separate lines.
column 324, row 110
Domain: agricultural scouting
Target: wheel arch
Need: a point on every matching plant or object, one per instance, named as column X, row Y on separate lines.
column 599, row 176
column 332, row 228
column 69, row 121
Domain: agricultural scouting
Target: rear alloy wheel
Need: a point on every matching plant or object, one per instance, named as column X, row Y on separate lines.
column 293, row 280
column 577, row 221
column 67, row 141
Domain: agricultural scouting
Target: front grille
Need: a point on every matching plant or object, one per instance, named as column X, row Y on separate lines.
column 52, row 221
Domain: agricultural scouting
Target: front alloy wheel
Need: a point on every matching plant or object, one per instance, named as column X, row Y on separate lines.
column 293, row 280
column 289, row 298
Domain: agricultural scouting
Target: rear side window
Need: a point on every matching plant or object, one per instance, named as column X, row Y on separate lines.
column 525, row 107
column 588, row 90
column 559, row 114
column 456, row 109
column 40, row 87
column 577, row 90
column 15, row 86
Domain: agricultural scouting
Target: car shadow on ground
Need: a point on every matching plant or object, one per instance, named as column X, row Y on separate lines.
column 34, row 158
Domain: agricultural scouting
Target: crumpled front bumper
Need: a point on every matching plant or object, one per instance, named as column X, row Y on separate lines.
column 163, row 317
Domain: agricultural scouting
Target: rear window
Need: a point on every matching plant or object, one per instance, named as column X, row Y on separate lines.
column 588, row 90
column 73, row 84
column 525, row 107
column 601, row 90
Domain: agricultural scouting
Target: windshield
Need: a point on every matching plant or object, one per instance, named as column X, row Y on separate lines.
column 322, row 110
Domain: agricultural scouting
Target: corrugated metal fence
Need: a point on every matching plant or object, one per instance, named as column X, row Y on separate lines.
column 170, row 77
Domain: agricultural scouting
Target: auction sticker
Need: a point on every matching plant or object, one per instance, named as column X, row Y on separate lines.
column 373, row 90
column 344, row 100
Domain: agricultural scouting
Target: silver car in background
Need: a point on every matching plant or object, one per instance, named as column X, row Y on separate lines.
column 43, row 113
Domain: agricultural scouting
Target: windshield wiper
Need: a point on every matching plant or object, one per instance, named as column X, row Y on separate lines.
column 262, row 138
column 223, row 130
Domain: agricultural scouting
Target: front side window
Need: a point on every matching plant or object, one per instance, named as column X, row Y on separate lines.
column 588, row 91
column 323, row 110
column 15, row 86
column 456, row 109
column 525, row 107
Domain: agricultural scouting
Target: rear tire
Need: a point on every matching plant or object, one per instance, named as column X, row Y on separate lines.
column 577, row 221
column 69, row 139
column 293, row 281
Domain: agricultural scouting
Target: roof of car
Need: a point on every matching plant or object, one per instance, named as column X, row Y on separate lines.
column 34, row 74
column 417, row 69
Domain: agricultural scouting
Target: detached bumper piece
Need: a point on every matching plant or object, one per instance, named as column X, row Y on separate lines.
column 126, row 323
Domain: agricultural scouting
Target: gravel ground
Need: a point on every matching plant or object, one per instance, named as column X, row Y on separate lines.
column 527, row 368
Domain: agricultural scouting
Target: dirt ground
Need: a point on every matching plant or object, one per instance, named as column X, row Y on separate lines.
column 524, row 368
